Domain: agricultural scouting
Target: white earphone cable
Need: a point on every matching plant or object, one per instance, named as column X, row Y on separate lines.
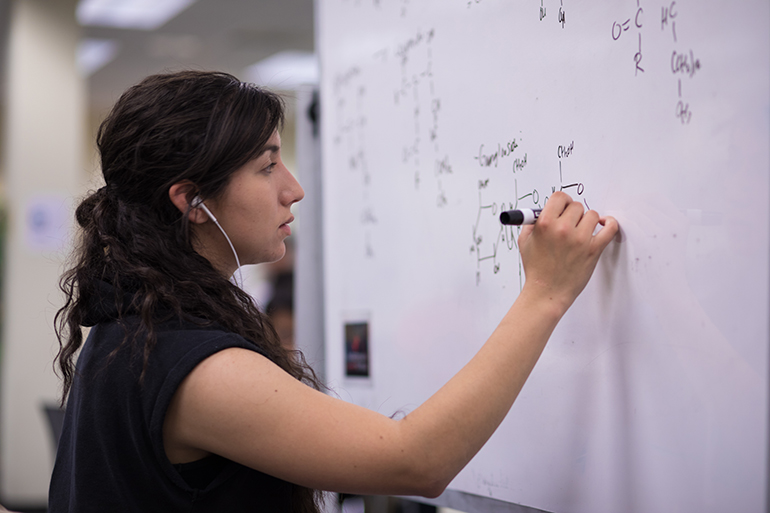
column 202, row 205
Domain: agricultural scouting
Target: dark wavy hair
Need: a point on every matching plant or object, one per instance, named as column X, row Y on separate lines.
column 191, row 125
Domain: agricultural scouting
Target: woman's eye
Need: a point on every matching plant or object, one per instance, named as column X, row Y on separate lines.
column 270, row 167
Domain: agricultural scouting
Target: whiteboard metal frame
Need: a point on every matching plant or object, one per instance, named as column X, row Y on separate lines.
column 308, row 285
column 462, row 501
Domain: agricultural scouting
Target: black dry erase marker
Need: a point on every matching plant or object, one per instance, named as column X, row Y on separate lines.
column 521, row 216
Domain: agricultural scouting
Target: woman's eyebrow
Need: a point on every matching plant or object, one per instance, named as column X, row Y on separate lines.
column 270, row 149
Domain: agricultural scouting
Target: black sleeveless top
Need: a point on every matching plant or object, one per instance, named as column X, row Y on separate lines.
column 111, row 455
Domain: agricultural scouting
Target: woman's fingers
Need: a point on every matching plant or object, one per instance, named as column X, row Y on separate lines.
column 561, row 250
column 555, row 206
column 608, row 232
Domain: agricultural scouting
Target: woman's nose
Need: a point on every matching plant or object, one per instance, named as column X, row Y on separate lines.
column 293, row 191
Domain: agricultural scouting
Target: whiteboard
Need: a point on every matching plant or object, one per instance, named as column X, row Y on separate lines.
column 652, row 394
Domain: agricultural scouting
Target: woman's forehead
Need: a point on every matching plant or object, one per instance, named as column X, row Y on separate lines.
column 273, row 144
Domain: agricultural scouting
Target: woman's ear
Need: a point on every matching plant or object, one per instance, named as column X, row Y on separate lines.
column 181, row 195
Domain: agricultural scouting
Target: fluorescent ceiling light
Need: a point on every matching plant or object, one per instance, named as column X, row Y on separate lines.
column 93, row 54
column 285, row 70
column 135, row 14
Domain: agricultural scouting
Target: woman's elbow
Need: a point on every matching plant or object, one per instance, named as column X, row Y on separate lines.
column 423, row 488
column 423, row 467
column 433, row 490
column 429, row 482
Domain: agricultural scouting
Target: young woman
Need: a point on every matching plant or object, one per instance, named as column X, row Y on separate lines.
column 182, row 398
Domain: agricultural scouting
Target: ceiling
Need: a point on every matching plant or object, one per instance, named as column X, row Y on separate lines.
column 225, row 35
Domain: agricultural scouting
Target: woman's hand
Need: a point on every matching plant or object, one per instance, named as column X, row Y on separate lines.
column 560, row 251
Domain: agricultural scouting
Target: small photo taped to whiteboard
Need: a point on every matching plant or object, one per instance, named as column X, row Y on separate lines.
column 357, row 346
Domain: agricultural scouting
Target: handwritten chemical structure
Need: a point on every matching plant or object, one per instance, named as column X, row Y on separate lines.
column 490, row 237
column 503, row 151
column 563, row 152
column 561, row 17
column 416, row 95
column 668, row 15
column 574, row 189
column 350, row 141
column 487, row 222
column 684, row 65
column 441, row 168
column 619, row 28
column 499, row 236
column 412, row 81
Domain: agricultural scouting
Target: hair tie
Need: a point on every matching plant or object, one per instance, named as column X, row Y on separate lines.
column 108, row 190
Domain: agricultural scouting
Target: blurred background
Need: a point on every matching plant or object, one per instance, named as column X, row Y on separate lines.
column 63, row 63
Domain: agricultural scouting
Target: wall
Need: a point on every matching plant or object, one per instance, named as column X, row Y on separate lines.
column 43, row 128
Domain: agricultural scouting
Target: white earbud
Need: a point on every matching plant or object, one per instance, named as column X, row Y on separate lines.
column 197, row 202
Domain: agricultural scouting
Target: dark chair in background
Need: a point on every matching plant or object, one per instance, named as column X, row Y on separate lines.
column 55, row 415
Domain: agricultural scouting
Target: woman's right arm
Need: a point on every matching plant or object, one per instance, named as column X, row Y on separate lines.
column 240, row 405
